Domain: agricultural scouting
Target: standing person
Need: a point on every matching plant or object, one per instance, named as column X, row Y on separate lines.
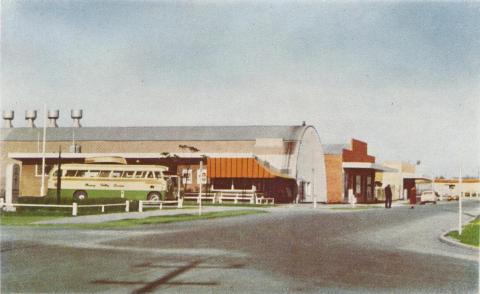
column 413, row 197
column 388, row 196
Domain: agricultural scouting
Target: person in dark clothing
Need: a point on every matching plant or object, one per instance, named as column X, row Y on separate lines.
column 388, row 197
column 413, row 197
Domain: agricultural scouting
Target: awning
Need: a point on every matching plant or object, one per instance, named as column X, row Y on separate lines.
column 410, row 176
column 368, row 165
column 240, row 168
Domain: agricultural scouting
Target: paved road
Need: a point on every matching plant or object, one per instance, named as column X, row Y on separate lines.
column 294, row 250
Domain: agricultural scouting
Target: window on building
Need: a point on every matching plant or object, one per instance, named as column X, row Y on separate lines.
column 202, row 176
column 369, row 187
column 38, row 169
column 358, row 184
column 187, row 176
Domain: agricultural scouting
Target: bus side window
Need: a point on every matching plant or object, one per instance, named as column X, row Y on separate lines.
column 116, row 174
column 93, row 173
column 158, row 175
column 139, row 174
column 81, row 173
column 128, row 174
column 70, row 173
column 104, row 174
column 150, row 175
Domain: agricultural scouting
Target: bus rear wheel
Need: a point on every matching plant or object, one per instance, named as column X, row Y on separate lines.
column 80, row 195
column 153, row 196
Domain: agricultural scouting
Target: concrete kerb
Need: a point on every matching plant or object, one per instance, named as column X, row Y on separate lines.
column 452, row 242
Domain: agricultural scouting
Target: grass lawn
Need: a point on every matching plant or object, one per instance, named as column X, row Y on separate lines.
column 470, row 233
column 28, row 218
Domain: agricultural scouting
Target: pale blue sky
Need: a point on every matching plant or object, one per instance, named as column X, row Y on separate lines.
column 405, row 77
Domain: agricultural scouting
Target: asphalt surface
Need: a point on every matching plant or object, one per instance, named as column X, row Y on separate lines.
column 288, row 250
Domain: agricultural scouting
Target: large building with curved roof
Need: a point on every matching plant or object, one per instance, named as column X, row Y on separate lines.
column 284, row 162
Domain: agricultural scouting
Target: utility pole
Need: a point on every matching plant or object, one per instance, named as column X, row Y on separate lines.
column 460, row 203
column 42, row 187
column 200, row 192
column 59, row 174
column 313, row 189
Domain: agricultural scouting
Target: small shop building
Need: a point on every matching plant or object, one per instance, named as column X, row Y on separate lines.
column 350, row 169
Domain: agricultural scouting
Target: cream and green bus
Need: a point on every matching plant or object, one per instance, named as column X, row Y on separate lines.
column 133, row 182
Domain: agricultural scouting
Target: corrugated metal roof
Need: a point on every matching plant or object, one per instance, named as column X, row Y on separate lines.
column 173, row 133
column 334, row 148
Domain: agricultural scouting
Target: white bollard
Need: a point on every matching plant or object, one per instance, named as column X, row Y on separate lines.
column 236, row 197
column 127, row 206
column 180, row 203
column 140, row 206
column 74, row 209
column 103, row 208
column 1, row 203
column 161, row 206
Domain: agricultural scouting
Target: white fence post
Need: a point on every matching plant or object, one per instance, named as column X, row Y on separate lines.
column 140, row 206
column 127, row 206
column 180, row 203
column 74, row 209
column 1, row 203
column 103, row 208
column 236, row 199
column 161, row 205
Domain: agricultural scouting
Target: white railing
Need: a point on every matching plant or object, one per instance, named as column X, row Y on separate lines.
column 150, row 203
column 231, row 195
column 205, row 196
column 74, row 206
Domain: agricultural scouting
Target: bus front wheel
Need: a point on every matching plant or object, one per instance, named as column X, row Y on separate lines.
column 80, row 195
column 153, row 196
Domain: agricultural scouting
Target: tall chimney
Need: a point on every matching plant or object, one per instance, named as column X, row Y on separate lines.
column 8, row 116
column 76, row 116
column 53, row 116
column 30, row 116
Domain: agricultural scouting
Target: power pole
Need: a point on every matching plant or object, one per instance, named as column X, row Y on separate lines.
column 460, row 203
column 59, row 174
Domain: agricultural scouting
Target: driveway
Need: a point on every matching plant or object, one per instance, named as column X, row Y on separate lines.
column 289, row 250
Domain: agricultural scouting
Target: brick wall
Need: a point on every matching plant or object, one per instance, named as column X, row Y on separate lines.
column 333, row 167
column 358, row 153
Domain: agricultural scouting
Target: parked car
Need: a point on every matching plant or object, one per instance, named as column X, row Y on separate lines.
column 428, row 196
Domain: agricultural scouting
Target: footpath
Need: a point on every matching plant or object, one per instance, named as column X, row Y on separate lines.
column 100, row 218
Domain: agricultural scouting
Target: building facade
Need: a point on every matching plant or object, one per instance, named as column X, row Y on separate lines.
column 284, row 162
column 351, row 170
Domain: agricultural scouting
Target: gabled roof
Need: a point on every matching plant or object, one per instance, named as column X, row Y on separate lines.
column 167, row 133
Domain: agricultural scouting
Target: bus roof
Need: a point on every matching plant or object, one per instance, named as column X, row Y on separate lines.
column 122, row 167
